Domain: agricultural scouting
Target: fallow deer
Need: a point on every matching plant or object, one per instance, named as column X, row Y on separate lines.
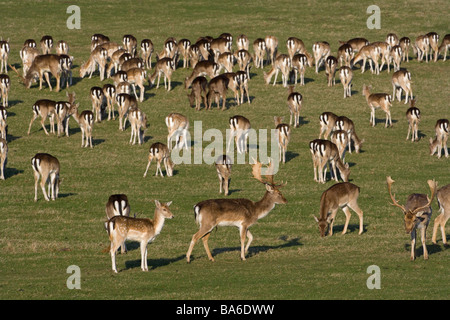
column 239, row 129
column 46, row 167
column 178, row 126
column 5, row 85
column 282, row 63
column 445, row 45
column 243, row 58
column 115, row 61
column 142, row 230
column 370, row 52
column 378, row 100
column 164, row 66
column 198, row 92
column 4, row 54
column 392, row 39
column 3, row 157
column 327, row 152
column 43, row 65
column 259, row 49
column 356, row 43
column 421, row 47
column 62, row 110
column 136, row 77
column 417, row 214
column 433, row 39
column 66, row 70
column 46, row 44
column 202, row 68
column 225, row 60
column 401, row 80
column 62, row 47
column 299, row 63
column 217, row 89
column 161, row 153
column 331, row 64
column 295, row 45
column 98, row 57
column 271, row 47
column 118, row 205
column 347, row 125
column 283, row 132
column 294, row 101
column 85, row 120
column 125, row 102
column 242, row 42
column 346, row 76
column 443, row 199
column 27, row 55
column 242, row 213
column 384, row 49
column 138, row 122
column 3, row 125
column 405, row 44
column 327, row 121
column 342, row 195
column 45, row 109
column 321, row 51
column 146, row 52
column 440, row 140
column 110, row 92
column 130, row 43
column 96, row 95
column 413, row 117
column 340, row 139
column 183, row 47
column 223, row 167
column 345, row 54
column 396, row 55
column 243, row 85
column 219, row 46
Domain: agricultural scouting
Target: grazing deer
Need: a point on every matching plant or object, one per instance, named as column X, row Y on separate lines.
column 4, row 54
column 340, row 139
column 243, row 58
column 138, row 122
column 44, row 108
column 226, row 61
column 347, row 125
column 223, row 167
column 178, row 126
column 346, row 76
column 396, row 55
column 164, row 66
column 130, row 63
column 242, row 213
column 417, row 214
column 46, row 44
column 198, row 92
column 85, row 120
column 413, row 117
column 405, row 44
column 421, row 47
column 443, row 199
column 122, row 228
column 204, row 46
column 378, row 100
column 130, row 43
column 369, row 52
column 342, row 195
column 98, row 57
column 325, row 152
column 294, row 101
column 356, row 43
column 146, row 52
column 62, row 110
column 271, row 47
column 445, row 45
column 433, row 39
column 384, row 49
column 294, row 46
column 217, row 89
column 27, row 55
column 233, row 84
column 3, row 157
column 96, row 95
column 327, row 121
column 440, row 140
column 116, row 60
column 109, row 92
column 239, row 129
column 242, row 42
column 283, row 64
column 259, row 49
column 283, row 132
column 202, row 68
column 161, row 153
column 321, row 51
column 118, row 205
column 401, row 80
column 183, row 47
column 330, row 70
column 299, row 63
column 46, row 167
column 62, row 47
column 43, row 65
column 3, row 125
column 136, row 77
column 219, row 46
column 5, row 85
column 125, row 102
column 345, row 54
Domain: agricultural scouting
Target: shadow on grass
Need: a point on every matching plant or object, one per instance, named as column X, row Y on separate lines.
column 152, row 263
column 431, row 248
column 350, row 229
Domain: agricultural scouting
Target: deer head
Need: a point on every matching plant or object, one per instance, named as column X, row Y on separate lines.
column 272, row 188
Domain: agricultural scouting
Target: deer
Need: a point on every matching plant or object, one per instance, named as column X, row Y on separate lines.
column 294, row 101
column 5, row 85
column 413, row 117
column 392, row 39
column 443, row 200
column 178, row 126
column 440, row 140
column 96, row 95
column 346, row 76
column 4, row 54
column 146, row 52
column 138, row 122
column 378, row 100
column 242, row 42
column 183, row 47
column 46, row 44
column 161, row 153
column 121, row 228
column 66, row 70
column 164, row 66
column 445, row 45
column 46, row 168
column 62, row 110
column 417, row 214
column 299, row 63
column 136, row 77
column 3, row 157
column 85, row 120
column 401, row 80
column 225, row 60
column 62, row 47
column 282, row 63
column 217, row 89
column 340, row 139
column 239, row 129
column 396, row 55
column 321, row 51
column 204, row 45
column 369, row 52
column 331, row 64
column 327, row 121
column 98, row 39
column 223, row 166
column 118, row 205
column 129, row 43
column 295, row 45
column 3, row 125
column 110, row 92
column 259, row 49
column 325, row 152
column 125, row 102
column 347, row 125
column 356, row 43
column 98, row 57
column 129, row 62
column 45, row 109
column 27, row 55
column 433, row 39
column 384, row 49
column 243, row 78
column 219, row 46
column 405, row 44
column 202, row 68
column 242, row 213
column 233, row 84
column 283, row 132
column 345, row 54
column 271, row 47
column 198, row 92
column 421, row 47
column 116, row 60
column 243, row 58
column 342, row 195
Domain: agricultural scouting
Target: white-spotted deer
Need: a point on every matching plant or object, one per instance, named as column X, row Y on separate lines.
column 283, row 132
column 440, row 140
column 241, row 213
column 401, row 80
column 161, row 153
column 443, row 200
column 346, row 76
column 417, row 214
column 413, row 117
column 223, row 167
column 239, row 129
column 378, row 100
column 46, row 167
column 178, row 126
column 122, row 228
column 294, row 101
column 342, row 195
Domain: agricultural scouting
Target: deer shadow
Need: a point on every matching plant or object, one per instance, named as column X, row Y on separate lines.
column 11, row 172
column 432, row 249
column 351, row 228
column 152, row 263
column 291, row 155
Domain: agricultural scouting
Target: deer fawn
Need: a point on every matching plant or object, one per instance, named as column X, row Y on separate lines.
column 443, row 199
column 417, row 214
column 161, row 153
column 241, row 213
column 223, row 167
column 342, row 195
column 121, row 228
column 46, row 167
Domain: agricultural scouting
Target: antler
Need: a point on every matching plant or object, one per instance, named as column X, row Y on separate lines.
column 20, row 76
column 256, row 172
column 395, row 203
column 433, row 186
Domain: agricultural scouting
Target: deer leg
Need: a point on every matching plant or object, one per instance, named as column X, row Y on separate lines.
column 354, row 206
column 31, row 122
column 250, row 239
column 43, row 125
column 347, row 218
column 413, row 245
column 43, row 182
column 36, row 179
column 47, row 79
column 205, row 244
column 331, row 219
column 199, row 234
column 144, row 266
column 243, row 233
column 424, row 245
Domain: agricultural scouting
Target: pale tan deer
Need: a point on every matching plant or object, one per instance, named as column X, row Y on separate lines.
column 241, row 213
column 299, row 63
column 327, row 121
column 356, row 43
column 345, row 54
column 110, row 92
column 46, row 167
column 405, row 44
column 98, row 57
column 62, row 110
column 243, row 58
column 118, row 205
column 242, row 42
column 125, row 102
column 327, row 152
column 66, row 69
column 136, row 77
column 122, row 228
column 146, row 52
column 421, row 47
column 116, row 60
column 3, row 125
column 85, row 120
column 401, row 80
column 440, row 140
column 340, row 139
column 346, row 76
column 283, row 132
column 433, row 39
column 384, row 49
column 129, row 43
column 45, row 109
column 443, row 200
column 259, row 49
column 321, row 51
column 396, row 55
column 243, row 85
column 392, row 39
column 417, row 214
column 378, row 100
column 202, row 68
column 271, row 47
column 342, row 195
column 223, row 166
column 62, row 47
column 161, row 153
column 219, row 46
column 294, row 101
column 5, row 86
column 369, row 52
column 183, row 47
column 226, row 61
column 178, row 126
column 347, row 125
column 27, row 55
column 164, row 66
column 445, row 45
column 331, row 64
column 46, row 44
column 413, row 117
column 96, row 95
column 138, row 122
column 295, row 45
column 4, row 55
column 43, row 65
column 3, row 157
column 239, row 129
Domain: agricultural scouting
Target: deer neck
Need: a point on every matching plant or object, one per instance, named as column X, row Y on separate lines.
column 158, row 222
column 265, row 205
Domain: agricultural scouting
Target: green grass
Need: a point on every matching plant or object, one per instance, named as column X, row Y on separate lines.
column 288, row 259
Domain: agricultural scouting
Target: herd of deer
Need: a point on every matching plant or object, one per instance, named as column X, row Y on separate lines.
column 208, row 57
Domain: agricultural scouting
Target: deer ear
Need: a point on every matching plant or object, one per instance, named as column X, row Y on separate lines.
column 169, row 203
column 315, row 218
column 158, row 204
column 269, row 188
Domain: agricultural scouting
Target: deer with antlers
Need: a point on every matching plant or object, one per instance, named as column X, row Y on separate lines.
column 242, row 213
column 417, row 214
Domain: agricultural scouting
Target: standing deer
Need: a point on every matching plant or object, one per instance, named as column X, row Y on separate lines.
column 239, row 128
column 405, row 44
column 117, row 205
column 164, row 66
column 3, row 125
column 147, row 51
column 138, row 122
column 346, row 76
column 3, row 157
column 294, row 101
column 5, row 85
column 378, row 100
column 327, row 121
column 324, row 152
column 44, row 108
column 321, row 51
column 271, row 47
column 198, row 92
column 43, row 65
column 443, row 199
column 161, row 153
column 223, row 167
column 62, row 110
column 178, row 126
column 282, row 63
column 217, row 89
column 417, row 214
column 122, row 228
column 259, row 49
column 440, row 140
column 299, row 63
column 242, row 213
column 125, row 102
column 331, row 64
column 433, row 39
column 85, row 120
column 347, row 125
column 445, row 45
column 283, row 132
column 4, row 54
column 413, row 117
column 401, row 80
column 342, row 195
column 46, row 167
column 96, row 95
column 109, row 92
column 46, row 44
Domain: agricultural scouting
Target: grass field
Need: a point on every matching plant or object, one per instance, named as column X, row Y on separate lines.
column 288, row 259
